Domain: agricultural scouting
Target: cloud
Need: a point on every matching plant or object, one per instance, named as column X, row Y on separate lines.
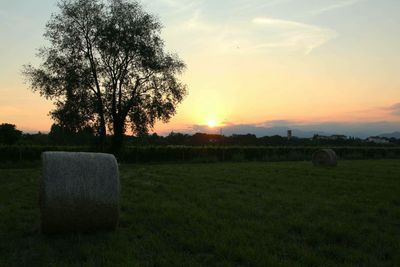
column 246, row 6
column 337, row 5
column 235, row 27
column 357, row 129
column 394, row 109
column 303, row 130
column 293, row 34
column 249, row 36
column 173, row 9
column 280, row 23
column 195, row 23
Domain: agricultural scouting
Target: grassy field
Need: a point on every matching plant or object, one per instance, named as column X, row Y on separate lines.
column 225, row 214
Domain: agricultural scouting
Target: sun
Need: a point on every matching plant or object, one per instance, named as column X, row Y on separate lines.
column 211, row 123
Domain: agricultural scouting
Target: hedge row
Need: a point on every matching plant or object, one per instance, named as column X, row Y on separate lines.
column 214, row 154
column 32, row 153
column 205, row 154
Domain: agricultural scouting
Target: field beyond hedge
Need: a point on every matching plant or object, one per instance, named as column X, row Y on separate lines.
column 222, row 214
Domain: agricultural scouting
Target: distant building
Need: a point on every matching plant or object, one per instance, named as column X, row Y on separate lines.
column 378, row 140
column 289, row 134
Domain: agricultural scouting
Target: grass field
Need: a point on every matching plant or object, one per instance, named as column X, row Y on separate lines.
column 224, row 214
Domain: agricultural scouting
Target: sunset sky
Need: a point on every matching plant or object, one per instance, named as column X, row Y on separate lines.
column 308, row 64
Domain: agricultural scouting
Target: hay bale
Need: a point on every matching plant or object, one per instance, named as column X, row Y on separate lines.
column 79, row 192
column 324, row 158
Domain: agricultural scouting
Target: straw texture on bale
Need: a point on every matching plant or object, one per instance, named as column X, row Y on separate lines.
column 79, row 192
column 325, row 158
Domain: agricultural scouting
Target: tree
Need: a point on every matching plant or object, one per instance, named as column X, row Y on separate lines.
column 9, row 135
column 106, row 65
column 60, row 135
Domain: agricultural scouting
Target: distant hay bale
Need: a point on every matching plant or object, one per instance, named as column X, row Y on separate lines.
column 325, row 158
column 79, row 192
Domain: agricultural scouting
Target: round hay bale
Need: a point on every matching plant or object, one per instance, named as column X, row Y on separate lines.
column 79, row 192
column 324, row 158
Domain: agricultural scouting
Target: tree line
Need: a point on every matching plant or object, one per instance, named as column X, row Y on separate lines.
column 59, row 136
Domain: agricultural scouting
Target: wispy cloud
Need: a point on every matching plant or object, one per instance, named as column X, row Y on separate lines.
column 336, row 5
column 196, row 24
column 279, row 23
column 173, row 9
column 246, row 6
column 257, row 35
column 293, row 34
column 373, row 113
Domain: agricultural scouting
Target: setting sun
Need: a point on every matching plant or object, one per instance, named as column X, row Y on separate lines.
column 212, row 123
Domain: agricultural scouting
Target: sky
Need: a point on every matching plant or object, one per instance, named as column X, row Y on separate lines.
column 314, row 65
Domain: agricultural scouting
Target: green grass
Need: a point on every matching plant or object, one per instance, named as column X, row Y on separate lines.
column 225, row 214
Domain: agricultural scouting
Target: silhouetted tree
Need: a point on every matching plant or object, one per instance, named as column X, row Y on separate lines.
column 107, row 66
column 9, row 135
column 59, row 135
column 73, row 114
column 248, row 139
column 177, row 138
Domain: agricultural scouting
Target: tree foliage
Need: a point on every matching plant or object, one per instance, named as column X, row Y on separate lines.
column 106, row 67
column 9, row 135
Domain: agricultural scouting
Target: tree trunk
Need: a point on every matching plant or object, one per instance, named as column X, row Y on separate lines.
column 102, row 126
column 118, row 138
column 102, row 132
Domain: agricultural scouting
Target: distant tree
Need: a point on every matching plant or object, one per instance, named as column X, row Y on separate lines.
column 201, row 139
column 274, row 140
column 248, row 139
column 177, row 138
column 155, row 139
column 9, row 135
column 106, row 67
